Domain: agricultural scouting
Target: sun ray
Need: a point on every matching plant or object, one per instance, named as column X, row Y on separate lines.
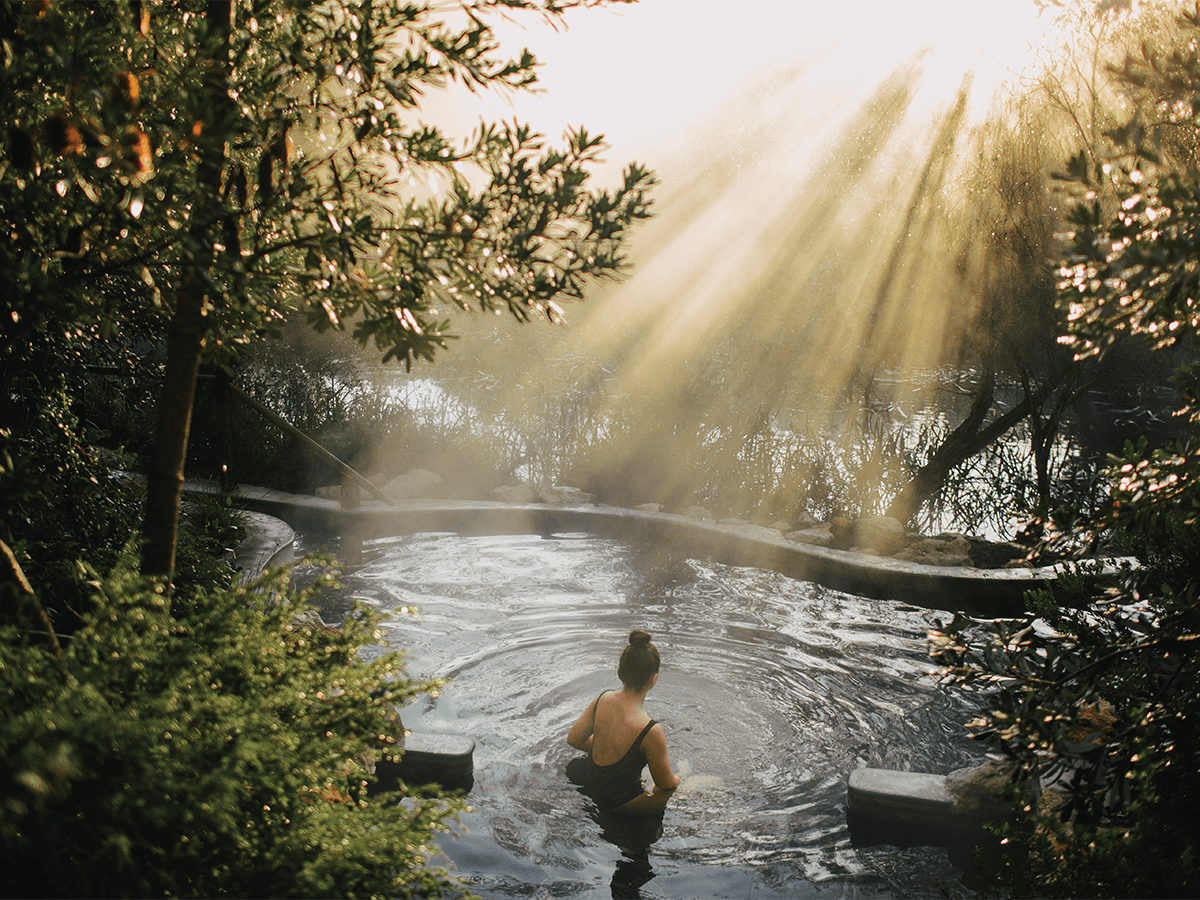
column 813, row 227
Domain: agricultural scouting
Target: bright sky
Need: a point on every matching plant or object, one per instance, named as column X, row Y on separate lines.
column 635, row 71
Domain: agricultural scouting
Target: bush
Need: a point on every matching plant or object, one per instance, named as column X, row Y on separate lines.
column 57, row 502
column 221, row 752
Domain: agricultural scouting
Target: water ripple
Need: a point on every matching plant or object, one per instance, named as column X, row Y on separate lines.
column 771, row 691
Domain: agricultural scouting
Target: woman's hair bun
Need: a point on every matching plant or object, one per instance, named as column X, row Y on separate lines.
column 639, row 661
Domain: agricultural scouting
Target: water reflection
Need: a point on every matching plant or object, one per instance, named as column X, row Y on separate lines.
column 771, row 692
column 632, row 836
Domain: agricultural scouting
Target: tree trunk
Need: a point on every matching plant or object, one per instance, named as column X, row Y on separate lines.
column 969, row 438
column 185, row 339
column 1044, row 430
column 164, row 483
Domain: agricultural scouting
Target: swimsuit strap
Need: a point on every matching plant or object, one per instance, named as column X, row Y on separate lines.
column 645, row 731
column 636, row 747
column 596, row 706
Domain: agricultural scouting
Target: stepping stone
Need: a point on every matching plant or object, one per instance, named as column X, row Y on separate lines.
column 430, row 757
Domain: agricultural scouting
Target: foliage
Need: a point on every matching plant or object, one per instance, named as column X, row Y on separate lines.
column 57, row 502
column 104, row 157
column 209, row 533
column 178, row 180
column 219, row 753
column 1094, row 690
column 201, row 173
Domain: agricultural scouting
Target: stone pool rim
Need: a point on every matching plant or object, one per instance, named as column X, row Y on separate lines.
column 985, row 593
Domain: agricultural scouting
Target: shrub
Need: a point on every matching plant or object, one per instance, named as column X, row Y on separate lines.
column 219, row 752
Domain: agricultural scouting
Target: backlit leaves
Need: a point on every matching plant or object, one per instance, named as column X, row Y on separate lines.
column 334, row 194
column 1093, row 692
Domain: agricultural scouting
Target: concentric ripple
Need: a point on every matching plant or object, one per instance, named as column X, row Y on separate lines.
column 772, row 691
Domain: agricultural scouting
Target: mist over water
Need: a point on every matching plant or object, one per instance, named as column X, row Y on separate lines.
column 826, row 235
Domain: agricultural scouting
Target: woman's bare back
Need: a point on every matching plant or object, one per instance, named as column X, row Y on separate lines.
column 619, row 721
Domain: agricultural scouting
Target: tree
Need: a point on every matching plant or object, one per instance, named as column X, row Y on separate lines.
column 1094, row 689
column 1012, row 215
column 215, row 754
column 207, row 170
column 176, row 181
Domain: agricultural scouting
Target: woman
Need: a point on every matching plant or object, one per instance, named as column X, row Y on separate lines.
column 621, row 740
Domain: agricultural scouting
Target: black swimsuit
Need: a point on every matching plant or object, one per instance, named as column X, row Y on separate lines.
column 615, row 785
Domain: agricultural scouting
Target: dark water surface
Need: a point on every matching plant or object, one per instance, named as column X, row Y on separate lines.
column 772, row 691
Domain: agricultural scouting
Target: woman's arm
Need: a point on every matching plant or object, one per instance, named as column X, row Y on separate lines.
column 655, row 745
column 652, row 803
column 580, row 736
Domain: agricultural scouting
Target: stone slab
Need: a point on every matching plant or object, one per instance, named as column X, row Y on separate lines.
column 430, row 757
column 913, row 798
column 269, row 542
column 452, row 752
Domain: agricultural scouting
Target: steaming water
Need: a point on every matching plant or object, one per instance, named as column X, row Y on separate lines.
column 772, row 690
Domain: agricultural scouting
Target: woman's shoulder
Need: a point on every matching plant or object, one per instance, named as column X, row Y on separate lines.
column 654, row 738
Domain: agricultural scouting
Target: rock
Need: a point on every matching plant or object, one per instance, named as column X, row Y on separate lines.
column 993, row 555
column 842, row 530
column 877, row 534
column 413, row 483
column 819, row 536
column 883, row 534
column 978, row 791
column 329, row 492
column 1096, row 722
column 937, row 552
column 803, row 522
column 512, row 493
column 700, row 514
column 919, row 551
column 761, row 532
column 310, row 619
column 559, row 494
